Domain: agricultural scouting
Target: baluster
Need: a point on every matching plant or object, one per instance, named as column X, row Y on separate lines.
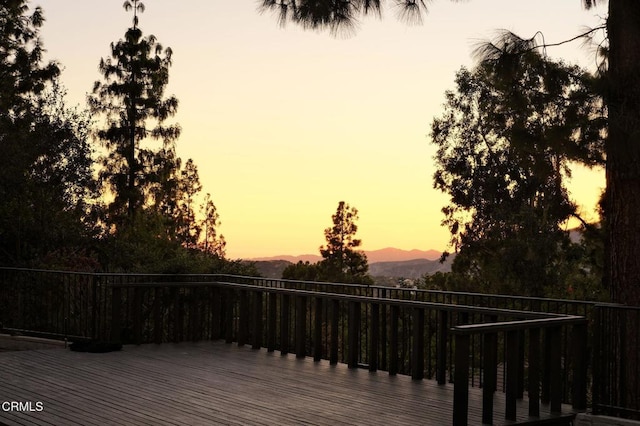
column 335, row 318
column 511, row 391
column 317, row 330
column 490, row 367
column 354, row 334
column 301, row 330
column 461, row 381
column 243, row 318
column 157, row 316
column 393, row 344
column 534, row 372
column 375, row 337
column 257, row 320
column 441, row 348
column 228, row 313
column 285, row 315
column 273, row 319
column 179, row 315
column 555, row 339
column 116, row 305
column 417, row 350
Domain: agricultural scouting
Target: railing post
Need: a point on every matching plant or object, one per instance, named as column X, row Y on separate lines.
column 545, row 394
column 179, row 315
column 521, row 357
column 393, row 341
column 354, row 334
column 534, row 372
column 375, row 337
column 195, row 321
column 317, row 330
column 94, row 312
column 417, row 350
column 243, row 318
column 597, row 360
column 257, row 320
column 285, row 315
column 490, row 366
column 216, row 315
column 272, row 321
column 511, row 390
column 383, row 334
column 116, row 324
column 461, row 381
column 301, row 329
column 579, row 344
column 555, row 354
column 228, row 313
column 157, row 317
column 137, row 315
column 335, row 318
column 441, row 347
column 622, row 370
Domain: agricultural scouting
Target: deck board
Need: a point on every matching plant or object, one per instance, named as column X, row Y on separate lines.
column 216, row 383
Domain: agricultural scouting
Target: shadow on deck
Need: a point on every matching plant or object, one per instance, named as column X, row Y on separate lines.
column 214, row 383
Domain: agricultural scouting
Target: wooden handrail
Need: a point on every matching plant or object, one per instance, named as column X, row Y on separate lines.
column 349, row 297
column 514, row 379
column 527, row 324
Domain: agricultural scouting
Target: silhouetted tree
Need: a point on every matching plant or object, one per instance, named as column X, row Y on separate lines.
column 342, row 262
column 212, row 243
column 504, row 146
column 45, row 166
column 304, row 271
column 130, row 99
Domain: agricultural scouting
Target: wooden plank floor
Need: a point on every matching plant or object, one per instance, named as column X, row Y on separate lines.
column 213, row 383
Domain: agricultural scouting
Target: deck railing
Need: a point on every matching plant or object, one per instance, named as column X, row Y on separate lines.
column 402, row 331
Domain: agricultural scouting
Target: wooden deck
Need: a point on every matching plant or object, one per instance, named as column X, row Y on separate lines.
column 213, row 383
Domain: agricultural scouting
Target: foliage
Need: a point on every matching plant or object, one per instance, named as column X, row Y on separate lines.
column 151, row 223
column 212, row 243
column 341, row 262
column 338, row 16
column 504, row 144
column 131, row 101
column 45, row 169
column 303, row 271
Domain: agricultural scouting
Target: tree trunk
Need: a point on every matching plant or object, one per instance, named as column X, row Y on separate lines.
column 623, row 153
column 622, row 265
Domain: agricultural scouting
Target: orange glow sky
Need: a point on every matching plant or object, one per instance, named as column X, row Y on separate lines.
column 283, row 124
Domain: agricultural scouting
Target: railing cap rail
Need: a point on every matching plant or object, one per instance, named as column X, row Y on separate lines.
column 495, row 327
column 354, row 298
column 353, row 285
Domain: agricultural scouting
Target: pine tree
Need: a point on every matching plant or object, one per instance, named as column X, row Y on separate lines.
column 342, row 262
column 130, row 98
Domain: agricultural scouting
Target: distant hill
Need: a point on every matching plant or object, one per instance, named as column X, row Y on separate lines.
column 312, row 258
column 387, row 262
column 388, row 254
column 391, row 254
column 409, row 268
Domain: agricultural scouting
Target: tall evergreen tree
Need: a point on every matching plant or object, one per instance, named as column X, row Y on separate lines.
column 342, row 261
column 131, row 100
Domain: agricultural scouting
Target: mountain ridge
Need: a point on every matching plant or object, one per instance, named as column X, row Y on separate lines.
column 388, row 254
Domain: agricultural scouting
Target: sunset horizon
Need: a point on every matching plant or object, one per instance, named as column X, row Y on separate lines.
column 284, row 123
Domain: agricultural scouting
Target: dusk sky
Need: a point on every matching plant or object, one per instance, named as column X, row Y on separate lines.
column 284, row 123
